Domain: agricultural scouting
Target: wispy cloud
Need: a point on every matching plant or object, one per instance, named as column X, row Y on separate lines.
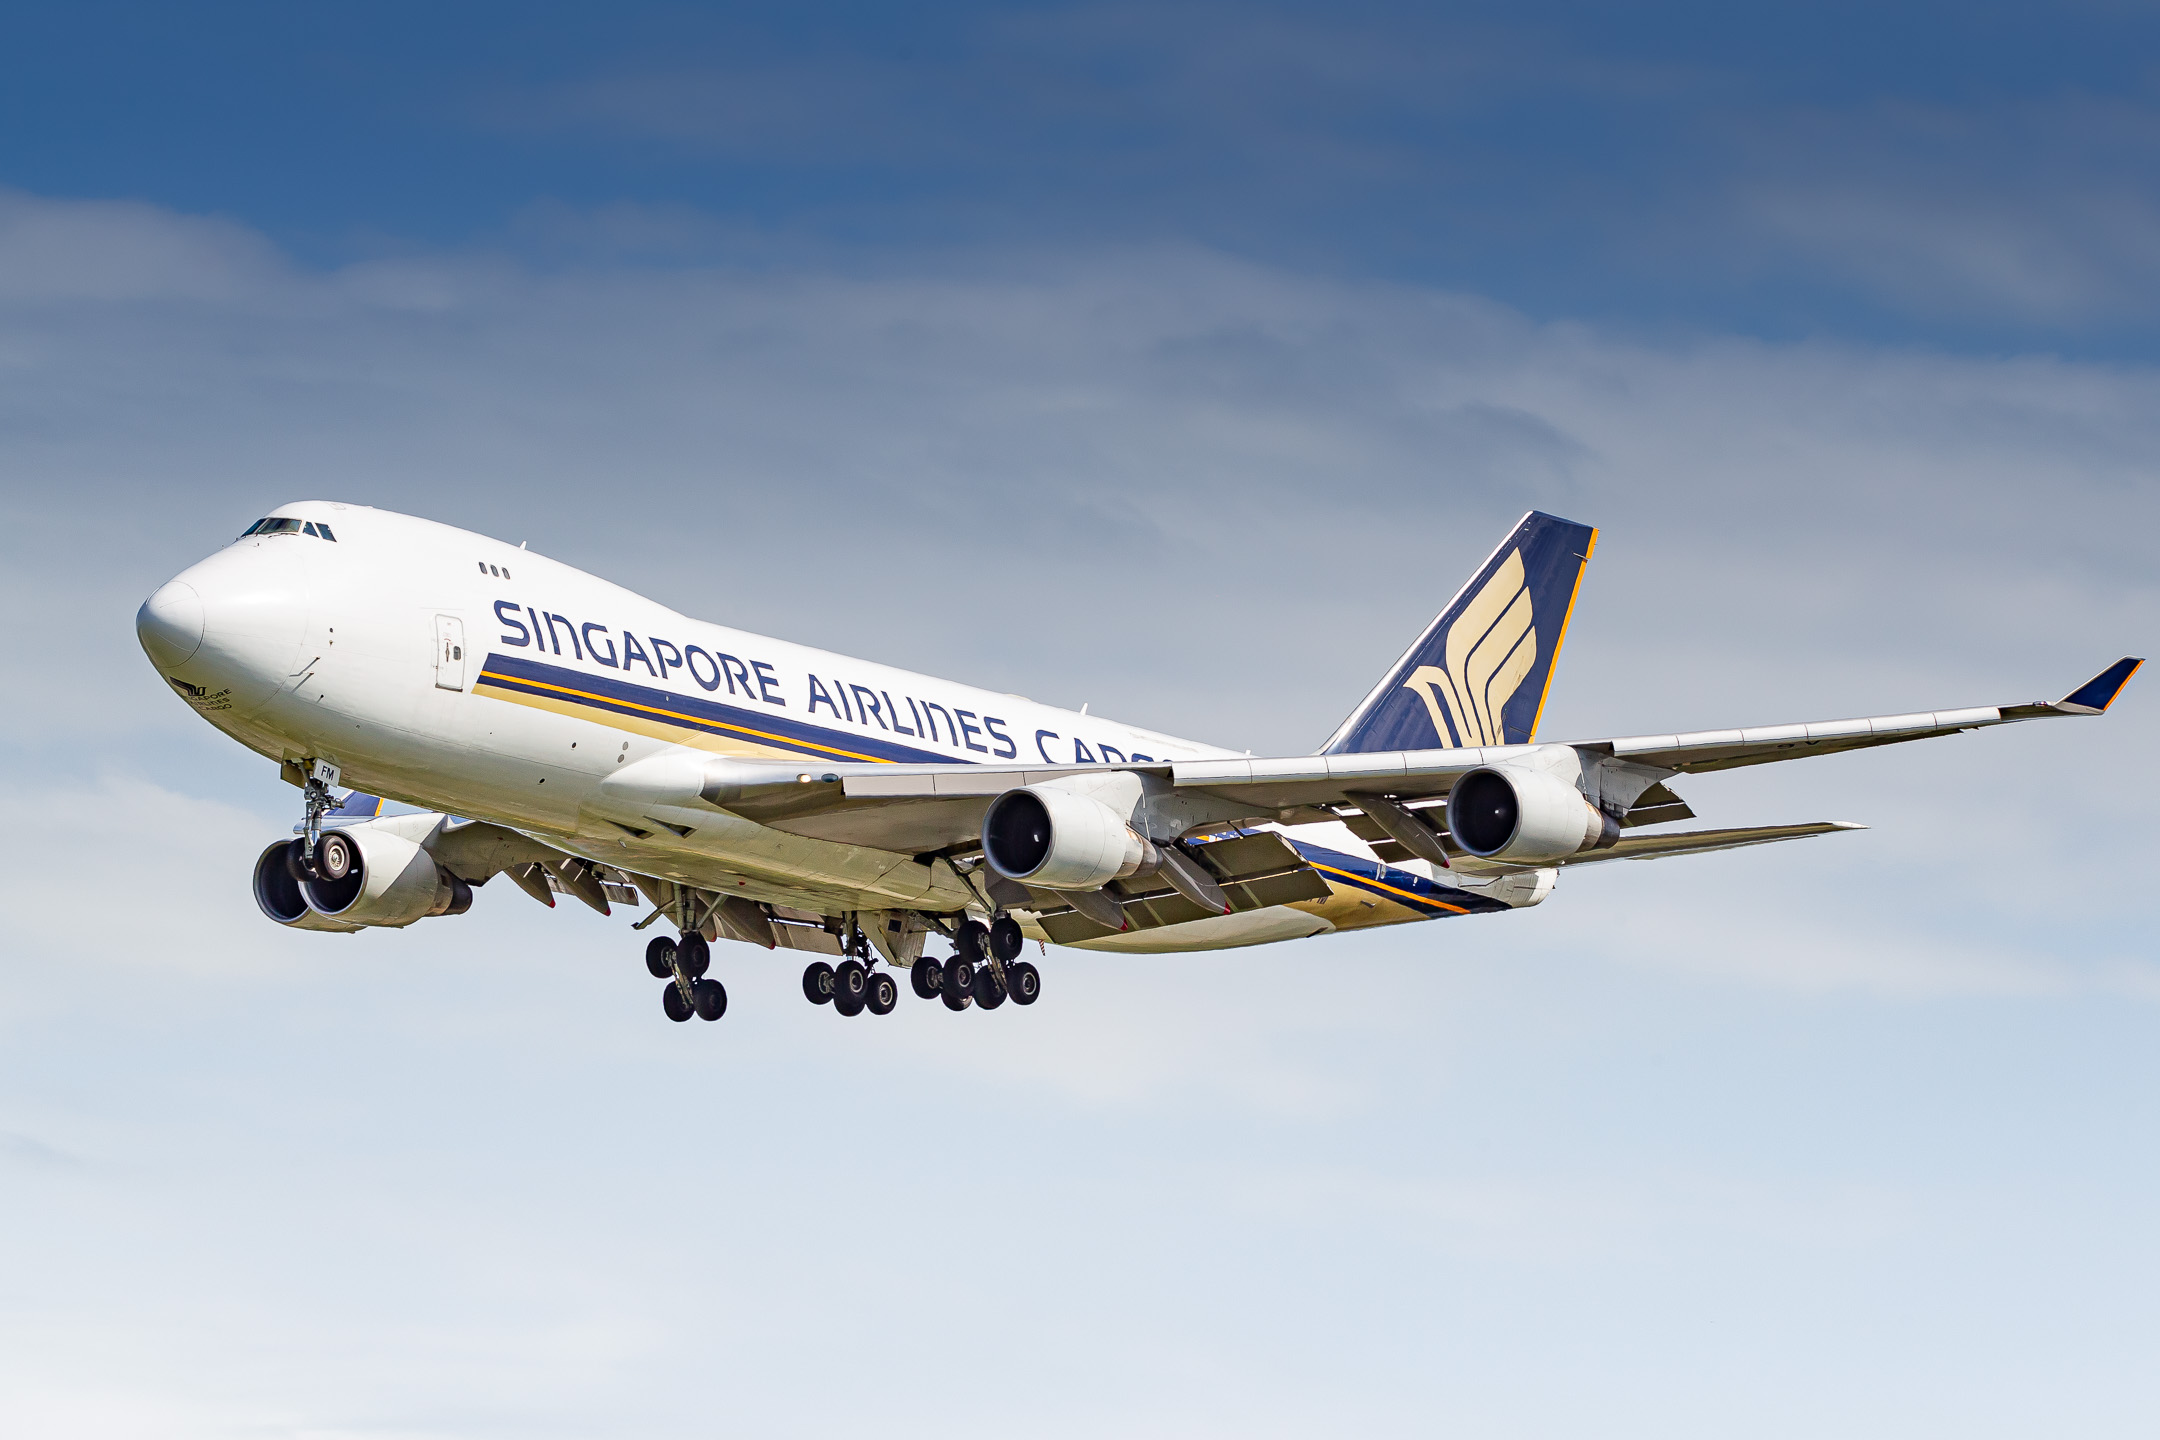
column 468, row 1171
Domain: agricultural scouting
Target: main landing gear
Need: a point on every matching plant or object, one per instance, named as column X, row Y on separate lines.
column 851, row 987
column 682, row 963
column 981, row 970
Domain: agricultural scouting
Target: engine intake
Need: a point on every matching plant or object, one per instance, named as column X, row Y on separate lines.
column 1055, row 839
column 277, row 891
column 391, row 881
column 1522, row 816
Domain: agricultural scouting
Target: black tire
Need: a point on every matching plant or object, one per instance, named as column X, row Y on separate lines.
column 334, row 856
column 988, row 993
column 671, row 1000
column 883, row 994
column 850, row 980
column 294, row 865
column 928, row 977
column 1025, row 983
column 817, row 982
column 709, row 999
column 694, row 954
column 971, row 941
column 1006, row 939
column 958, row 991
column 660, row 957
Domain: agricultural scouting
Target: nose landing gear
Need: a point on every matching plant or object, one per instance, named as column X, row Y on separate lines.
column 317, row 858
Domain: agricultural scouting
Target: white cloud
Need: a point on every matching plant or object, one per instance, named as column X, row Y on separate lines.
column 89, row 251
column 1203, row 494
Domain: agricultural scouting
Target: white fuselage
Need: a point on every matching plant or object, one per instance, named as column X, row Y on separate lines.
column 458, row 673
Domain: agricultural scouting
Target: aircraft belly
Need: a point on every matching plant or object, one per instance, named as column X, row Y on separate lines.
column 1348, row 908
column 1215, row 932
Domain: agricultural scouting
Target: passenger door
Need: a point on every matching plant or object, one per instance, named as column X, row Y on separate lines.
column 449, row 653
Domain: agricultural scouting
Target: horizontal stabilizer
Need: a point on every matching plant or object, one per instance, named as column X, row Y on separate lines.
column 1699, row 842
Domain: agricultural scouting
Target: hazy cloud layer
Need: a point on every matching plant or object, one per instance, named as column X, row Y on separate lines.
column 1845, row 1136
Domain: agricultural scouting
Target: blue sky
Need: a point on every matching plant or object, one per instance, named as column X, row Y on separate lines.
column 1959, row 174
column 1179, row 360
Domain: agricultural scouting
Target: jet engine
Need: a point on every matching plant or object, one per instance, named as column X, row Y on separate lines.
column 277, row 891
column 387, row 880
column 1519, row 816
column 1058, row 840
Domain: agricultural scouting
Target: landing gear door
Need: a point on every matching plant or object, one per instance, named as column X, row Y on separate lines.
column 449, row 653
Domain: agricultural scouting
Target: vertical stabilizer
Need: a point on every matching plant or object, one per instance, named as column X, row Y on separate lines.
column 1480, row 672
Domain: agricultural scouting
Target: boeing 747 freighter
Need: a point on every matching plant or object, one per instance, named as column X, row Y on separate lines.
column 585, row 741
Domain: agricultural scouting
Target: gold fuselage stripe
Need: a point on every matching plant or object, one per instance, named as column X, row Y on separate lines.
column 511, row 682
column 1361, row 881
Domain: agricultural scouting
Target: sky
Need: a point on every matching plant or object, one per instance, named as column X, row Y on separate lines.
column 1179, row 360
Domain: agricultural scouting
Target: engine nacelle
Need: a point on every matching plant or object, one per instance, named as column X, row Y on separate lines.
column 1520, row 816
column 278, row 893
column 392, row 881
column 1053, row 838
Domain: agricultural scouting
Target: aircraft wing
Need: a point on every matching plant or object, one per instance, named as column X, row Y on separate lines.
column 921, row 808
column 1316, row 780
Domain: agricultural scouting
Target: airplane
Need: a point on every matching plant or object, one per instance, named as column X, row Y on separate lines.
column 582, row 740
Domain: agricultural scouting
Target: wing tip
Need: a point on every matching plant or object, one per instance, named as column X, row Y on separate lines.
column 2096, row 694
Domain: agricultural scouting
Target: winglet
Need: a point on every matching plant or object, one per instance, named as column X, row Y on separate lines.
column 2096, row 694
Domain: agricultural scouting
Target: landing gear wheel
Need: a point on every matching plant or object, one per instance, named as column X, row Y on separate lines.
column 660, row 957
column 333, row 856
column 817, row 982
column 927, row 976
column 988, row 993
column 693, row 954
column 708, row 998
column 851, row 986
column 850, row 980
column 671, row 1000
column 1024, row 981
column 295, row 866
column 882, row 995
column 1005, row 938
column 958, row 989
column 970, row 941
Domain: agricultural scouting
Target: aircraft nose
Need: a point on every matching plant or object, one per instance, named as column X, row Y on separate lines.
column 170, row 625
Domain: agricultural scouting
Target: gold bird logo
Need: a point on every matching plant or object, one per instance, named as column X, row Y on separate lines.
column 1489, row 650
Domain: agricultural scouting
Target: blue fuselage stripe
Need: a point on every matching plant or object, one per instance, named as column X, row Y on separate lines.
column 765, row 727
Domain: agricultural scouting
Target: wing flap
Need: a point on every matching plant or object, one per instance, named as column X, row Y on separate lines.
column 1255, row 871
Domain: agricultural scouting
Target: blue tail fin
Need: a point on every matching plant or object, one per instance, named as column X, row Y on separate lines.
column 1479, row 673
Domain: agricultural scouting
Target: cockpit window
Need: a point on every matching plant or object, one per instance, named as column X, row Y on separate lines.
column 283, row 524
